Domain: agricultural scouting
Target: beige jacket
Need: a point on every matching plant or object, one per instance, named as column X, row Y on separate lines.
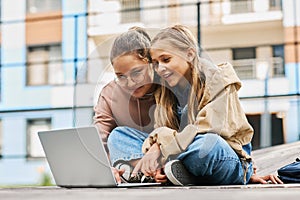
column 220, row 113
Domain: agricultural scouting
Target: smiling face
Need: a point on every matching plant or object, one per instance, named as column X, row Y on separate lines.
column 133, row 74
column 173, row 68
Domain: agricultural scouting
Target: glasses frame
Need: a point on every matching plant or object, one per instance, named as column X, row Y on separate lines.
column 140, row 77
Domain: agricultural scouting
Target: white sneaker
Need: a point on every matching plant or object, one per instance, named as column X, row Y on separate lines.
column 127, row 169
column 126, row 176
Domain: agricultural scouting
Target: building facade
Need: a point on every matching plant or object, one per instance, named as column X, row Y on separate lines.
column 42, row 45
column 54, row 62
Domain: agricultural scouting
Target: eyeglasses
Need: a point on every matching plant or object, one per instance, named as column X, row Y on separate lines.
column 137, row 75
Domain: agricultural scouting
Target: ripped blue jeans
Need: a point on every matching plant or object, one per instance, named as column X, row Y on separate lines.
column 209, row 156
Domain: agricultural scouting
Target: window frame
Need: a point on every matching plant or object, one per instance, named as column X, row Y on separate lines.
column 47, row 6
column 278, row 53
column 29, row 142
column 241, row 6
column 243, row 65
column 235, row 57
column 44, row 64
column 130, row 11
column 1, row 139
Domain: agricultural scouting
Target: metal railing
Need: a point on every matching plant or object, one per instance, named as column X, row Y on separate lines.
column 242, row 6
column 258, row 68
column 248, row 6
column 213, row 11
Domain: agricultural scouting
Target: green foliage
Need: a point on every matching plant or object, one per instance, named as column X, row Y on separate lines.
column 46, row 180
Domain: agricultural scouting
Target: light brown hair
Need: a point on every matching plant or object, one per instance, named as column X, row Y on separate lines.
column 135, row 41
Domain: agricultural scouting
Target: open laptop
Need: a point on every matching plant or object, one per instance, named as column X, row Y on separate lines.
column 77, row 158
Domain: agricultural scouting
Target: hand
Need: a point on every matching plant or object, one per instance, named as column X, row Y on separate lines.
column 118, row 174
column 149, row 163
column 160, row 176
column 265, row 179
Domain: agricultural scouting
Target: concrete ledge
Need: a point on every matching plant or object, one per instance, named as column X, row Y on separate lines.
column 269, row 160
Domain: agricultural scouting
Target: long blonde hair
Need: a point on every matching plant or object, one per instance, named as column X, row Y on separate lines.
column 179, row 38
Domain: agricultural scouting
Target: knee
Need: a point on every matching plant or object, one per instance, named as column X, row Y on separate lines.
column 118, row 130
column 211, row 144
column 124, row 133
column 116, row 134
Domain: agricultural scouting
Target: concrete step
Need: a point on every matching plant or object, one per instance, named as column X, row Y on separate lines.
column 269, row 160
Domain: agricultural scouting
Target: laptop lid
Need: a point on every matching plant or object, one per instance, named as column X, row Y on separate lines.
column 77, row 157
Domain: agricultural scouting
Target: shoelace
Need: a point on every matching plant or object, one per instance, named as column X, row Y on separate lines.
column 141, row 178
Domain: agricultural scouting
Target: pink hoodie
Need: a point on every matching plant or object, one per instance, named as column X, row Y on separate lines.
column 116, row 107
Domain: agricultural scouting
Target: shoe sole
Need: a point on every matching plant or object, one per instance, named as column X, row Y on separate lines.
column 127, row 170
column 170, row 174
column 179, row 175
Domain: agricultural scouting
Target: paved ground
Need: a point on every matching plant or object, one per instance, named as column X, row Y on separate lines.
column 252, row 192
column 268, row 161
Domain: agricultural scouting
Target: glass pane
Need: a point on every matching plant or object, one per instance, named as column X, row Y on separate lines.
column 244, row 62
column 1, row 140
column 56, row 73
column 37, row 66
column 36, row 6
column 37, row 74
column 275, row 4
column 243, row 53
column 45, row 65
column 33, row 144
column 133, row 13
column 278, row 61
column 37, row 55
column 55, row 53
column 241, row 6
column 278, row 51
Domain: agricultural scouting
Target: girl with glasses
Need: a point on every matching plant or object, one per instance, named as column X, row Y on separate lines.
column 124, row 111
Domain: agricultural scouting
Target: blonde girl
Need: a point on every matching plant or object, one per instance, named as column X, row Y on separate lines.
column 202, row 132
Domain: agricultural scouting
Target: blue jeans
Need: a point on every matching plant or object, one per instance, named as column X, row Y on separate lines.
column 125, row 143
column 209, row 156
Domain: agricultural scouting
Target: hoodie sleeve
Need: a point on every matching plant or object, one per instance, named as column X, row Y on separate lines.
column 220, row 113
column 103, row 118
column 170, row 141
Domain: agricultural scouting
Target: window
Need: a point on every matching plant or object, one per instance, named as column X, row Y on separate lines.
column 35, row 6
column 44, row 65
column 0, row 73
column 133, row 13
column 244, row 53
column 278, row 61
column 275, row 4
column 244, row 62
column 241, row 6
column 34, row 147
column 276, row 125
column 1, row 139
